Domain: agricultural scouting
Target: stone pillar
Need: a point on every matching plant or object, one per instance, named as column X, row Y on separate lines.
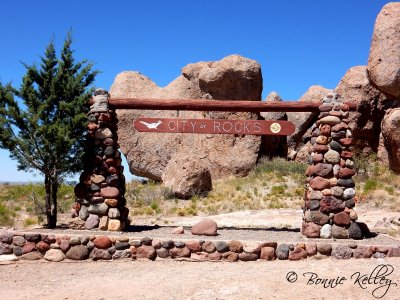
column 329, row 199
column 100, row 202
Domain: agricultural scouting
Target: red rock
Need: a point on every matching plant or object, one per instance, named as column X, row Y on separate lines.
column 327, row 192
column 311, row 230
column 230, row 256
column 28, row 247
column 325, row 107
column 252, row 247
column 193, row 246
column 208, row 247
column 340, row 127
column 102, row 242
column 346, row 154
column 133, row 251
column 235, row 246
column 362, row 252
column 110, row 192
column 104, row 117
column 64, row 245
column 330, row 204
column 178, row 230
column 317, row 158
column 320, row 148
column 335, row 113
column 34, row 255
column 179, row 252
column 113, row 170
column 342, row 163
column 101, row 254
column 18, row 240
column 267, row 253
column 394, row 252
column 322, row 170
column 341, row 219
column 205, row 227
column 214, row 256
column 92, row 126
column 42, row 247
column 346, row 172
column 311, row 249
column 297, row 254
column 248, row 256
column 146, row 252
column 310, row 170
column 319, row 183
column 325, row 129
column 346, row 141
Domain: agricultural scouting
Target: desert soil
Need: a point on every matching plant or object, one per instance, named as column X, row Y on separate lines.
column 166, row 279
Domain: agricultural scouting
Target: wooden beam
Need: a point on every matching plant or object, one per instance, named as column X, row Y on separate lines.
column 217, row 105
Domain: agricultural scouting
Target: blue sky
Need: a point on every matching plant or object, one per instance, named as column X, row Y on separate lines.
column 298, row 43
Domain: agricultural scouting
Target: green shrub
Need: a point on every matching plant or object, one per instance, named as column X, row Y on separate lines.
column 278, row 189
column 6, row 215
column 370, row 185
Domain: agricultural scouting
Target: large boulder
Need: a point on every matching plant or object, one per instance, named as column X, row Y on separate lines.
column 148, row 154
column 365, row 122
column 384, row 55
column 391, row 136
column 187, row 177
column 272, row 145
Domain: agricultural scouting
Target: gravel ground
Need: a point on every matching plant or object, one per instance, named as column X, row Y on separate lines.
column 166, row 279
column 253, row 234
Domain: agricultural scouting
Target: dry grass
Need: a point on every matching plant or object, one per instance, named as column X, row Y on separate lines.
column 26, row 203
column 273, row 184
column 376, row 185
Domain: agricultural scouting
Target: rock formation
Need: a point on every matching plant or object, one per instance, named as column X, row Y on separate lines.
column 148, row 154
column 372, row 104
column 384, row 56
column 391, row 136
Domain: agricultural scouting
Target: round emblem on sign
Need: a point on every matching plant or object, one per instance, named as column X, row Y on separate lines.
column 275, row 127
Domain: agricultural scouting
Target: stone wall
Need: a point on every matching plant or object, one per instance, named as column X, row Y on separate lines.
column 35, row 246
column 329, row 199
column 100, row 201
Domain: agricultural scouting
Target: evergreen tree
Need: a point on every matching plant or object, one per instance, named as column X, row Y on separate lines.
column 47, row 132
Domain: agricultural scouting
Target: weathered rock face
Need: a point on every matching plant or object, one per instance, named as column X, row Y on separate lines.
column 233, row 77
column 273, row 146
column 384, row 55
column 303, row 122
column 364, row 123
column 391, row 135
column 187, row 177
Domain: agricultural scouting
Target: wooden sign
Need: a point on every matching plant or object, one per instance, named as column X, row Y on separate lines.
column 214, row 126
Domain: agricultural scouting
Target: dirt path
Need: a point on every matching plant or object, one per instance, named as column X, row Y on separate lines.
column 165, row 279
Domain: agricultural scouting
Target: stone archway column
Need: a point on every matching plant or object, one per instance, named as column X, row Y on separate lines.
column 100, row 201
column 330, row 189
